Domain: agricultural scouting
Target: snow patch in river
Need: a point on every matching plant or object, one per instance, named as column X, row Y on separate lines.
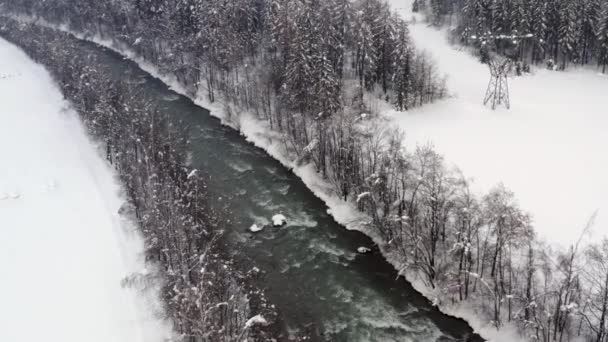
column 363, row 250
column 279, row 220
column 255, row 228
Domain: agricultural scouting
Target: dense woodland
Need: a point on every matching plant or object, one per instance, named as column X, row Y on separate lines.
column 556, row 32
column 205, row 295
column 304, row 66
column 313, row 70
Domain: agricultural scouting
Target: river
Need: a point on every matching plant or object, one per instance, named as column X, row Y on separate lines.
column 311, row 268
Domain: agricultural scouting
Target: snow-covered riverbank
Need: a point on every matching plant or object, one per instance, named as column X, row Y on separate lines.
column 63, row 247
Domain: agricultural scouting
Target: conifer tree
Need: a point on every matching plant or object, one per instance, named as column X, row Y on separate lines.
column 602, row 54
column 567, row 31
column 403, row 68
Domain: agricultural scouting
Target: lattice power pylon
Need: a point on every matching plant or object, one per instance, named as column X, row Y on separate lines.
column 498, row 88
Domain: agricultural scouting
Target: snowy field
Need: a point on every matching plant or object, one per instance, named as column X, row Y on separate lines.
column 63, row 248
column 549, row 149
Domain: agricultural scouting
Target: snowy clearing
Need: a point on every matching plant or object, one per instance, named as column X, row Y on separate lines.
column 549, row 149
column 63, row 247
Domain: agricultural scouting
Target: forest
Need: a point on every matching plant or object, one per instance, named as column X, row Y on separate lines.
column 309, row 68
column 206, row 295
column 558, row 33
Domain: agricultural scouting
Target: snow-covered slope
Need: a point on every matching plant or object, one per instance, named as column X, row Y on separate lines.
column 63, row 247
column 550, row 148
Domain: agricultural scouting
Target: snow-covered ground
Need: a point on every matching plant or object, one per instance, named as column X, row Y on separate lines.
column 549, row 149
column 468, row 134
column 63, row 248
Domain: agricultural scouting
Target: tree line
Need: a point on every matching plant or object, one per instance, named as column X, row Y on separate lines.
column 206, row 296
column 556, row 32
column 313, row 53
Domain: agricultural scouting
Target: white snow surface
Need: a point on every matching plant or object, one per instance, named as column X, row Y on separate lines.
column 63, row 247
column 279, row 220
column 192, row 173
column 255, row 228
column 549, row 148
column 257, row 319
column 363, row 250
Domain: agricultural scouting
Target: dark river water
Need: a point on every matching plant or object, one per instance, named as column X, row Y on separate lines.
column 312, row 270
